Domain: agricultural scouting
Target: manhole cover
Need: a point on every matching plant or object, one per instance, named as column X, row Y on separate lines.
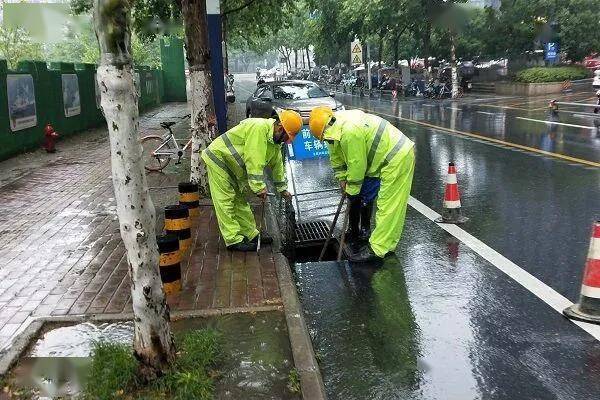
column 310, row 233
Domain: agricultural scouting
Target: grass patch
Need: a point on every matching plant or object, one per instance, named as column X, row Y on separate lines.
column 551, row 74
column 113, row 371
column 294, row 381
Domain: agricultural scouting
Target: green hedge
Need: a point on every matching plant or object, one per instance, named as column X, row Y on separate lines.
column 551, row 74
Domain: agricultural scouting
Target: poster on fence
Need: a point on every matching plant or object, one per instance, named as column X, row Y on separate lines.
column 71, row 99
column 21, row 102
column 97, row 91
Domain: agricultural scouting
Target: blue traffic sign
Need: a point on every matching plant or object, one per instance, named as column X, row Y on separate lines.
column 305, row 146
column 551, row 51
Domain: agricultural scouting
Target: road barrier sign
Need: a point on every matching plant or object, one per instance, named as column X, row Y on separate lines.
column 305, row 146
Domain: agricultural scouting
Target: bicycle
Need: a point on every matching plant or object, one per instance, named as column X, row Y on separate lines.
column 158, row 150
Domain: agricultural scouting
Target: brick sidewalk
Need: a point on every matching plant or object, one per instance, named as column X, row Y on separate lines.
column 61, row 246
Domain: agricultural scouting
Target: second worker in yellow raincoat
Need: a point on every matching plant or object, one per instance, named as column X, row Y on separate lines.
column 364, row 146
column 236, row 160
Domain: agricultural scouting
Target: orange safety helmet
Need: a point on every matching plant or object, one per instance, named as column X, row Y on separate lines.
column 291, row 122
column 318, row 119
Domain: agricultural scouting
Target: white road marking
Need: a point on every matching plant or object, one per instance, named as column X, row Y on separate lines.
column 485, row 112
column 584, row 115
column 454, row 108
column 557, row 123
column 493, row 98
column 538, row 288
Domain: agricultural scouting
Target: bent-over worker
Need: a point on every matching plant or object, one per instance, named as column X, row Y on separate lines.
column 236, row 160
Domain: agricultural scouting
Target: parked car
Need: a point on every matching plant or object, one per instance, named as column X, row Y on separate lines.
column 298, row 95
column 596, row 81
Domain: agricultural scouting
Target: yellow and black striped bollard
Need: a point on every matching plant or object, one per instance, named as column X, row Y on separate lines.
column 177, row 222
column 189, row 196
column 170, row 263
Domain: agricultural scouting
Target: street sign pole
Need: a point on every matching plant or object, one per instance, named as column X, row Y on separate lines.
column 213, row 18
column 369, row 66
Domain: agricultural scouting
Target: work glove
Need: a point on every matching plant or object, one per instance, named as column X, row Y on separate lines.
column 286, row 194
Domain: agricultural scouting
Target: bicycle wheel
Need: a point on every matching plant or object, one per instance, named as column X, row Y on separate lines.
column 154, row 162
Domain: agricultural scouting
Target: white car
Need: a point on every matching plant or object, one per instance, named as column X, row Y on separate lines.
column 596, row 81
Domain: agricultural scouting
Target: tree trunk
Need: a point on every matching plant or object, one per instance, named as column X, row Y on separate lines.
column 303, row 62
column 296, row 59
column 198, row 57
column 380, row 51
column 426, row 44
column 308, row 57
column 396, row 51
column 453, row 66
column 153, row 344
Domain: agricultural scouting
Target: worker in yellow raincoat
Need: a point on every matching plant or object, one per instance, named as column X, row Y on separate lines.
column 364, row 147
column 236, row 160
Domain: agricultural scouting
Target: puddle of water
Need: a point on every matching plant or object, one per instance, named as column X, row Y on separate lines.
column 258, row 357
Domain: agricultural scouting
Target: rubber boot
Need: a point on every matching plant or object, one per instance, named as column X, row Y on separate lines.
column 366, row 211
column 243, row 246
column 353, row 232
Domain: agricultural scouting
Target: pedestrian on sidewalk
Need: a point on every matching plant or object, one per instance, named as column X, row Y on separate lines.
column 370, row 158
column 237, row 160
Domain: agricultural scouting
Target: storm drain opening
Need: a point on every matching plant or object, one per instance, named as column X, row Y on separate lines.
column 311, row 232
column 309, row 239
column 303, row 241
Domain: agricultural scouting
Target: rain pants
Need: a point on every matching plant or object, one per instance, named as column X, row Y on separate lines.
column 365, row 145
column 235, row 161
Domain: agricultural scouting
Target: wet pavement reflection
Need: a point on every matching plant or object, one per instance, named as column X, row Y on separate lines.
column 440, row 322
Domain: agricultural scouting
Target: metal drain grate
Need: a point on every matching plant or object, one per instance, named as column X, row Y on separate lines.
column 311, row 232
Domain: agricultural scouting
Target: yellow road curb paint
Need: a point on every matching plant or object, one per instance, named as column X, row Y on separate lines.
column 493, row 140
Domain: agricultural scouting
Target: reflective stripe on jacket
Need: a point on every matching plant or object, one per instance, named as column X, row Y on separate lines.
column 245, row 150
column 363, row 145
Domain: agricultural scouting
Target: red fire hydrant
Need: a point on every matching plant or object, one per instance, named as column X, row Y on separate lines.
column 50, row 138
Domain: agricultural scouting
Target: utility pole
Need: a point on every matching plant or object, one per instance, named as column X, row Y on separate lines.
column 369, row 66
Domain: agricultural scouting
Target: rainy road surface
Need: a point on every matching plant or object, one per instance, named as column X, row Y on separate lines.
column 470, row 312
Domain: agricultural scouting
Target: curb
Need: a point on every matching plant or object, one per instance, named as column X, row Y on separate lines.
column 311, row 381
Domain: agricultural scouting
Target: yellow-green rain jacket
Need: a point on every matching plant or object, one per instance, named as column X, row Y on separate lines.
column 245, row 150
column 363, row 145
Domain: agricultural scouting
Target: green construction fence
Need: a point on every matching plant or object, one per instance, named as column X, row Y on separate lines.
column 20, row 132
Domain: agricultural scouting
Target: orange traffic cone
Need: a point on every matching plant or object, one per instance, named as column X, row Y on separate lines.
column 588, row 308
column 451, row 213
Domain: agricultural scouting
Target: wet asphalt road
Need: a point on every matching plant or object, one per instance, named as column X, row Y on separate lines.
column 441, row 322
